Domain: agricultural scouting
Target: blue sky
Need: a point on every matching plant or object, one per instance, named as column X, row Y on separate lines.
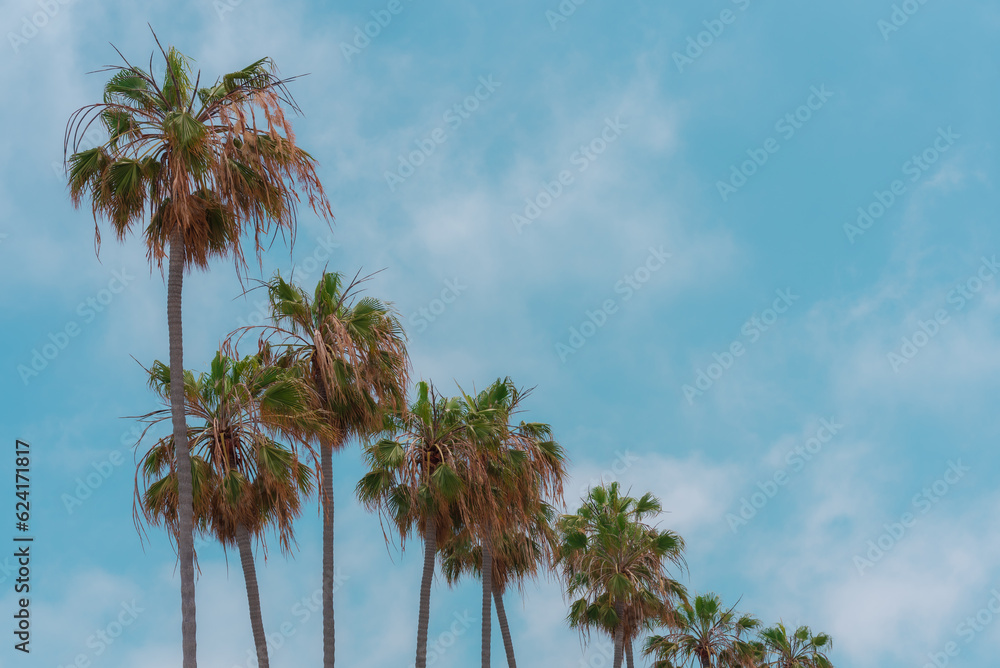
column 870, row 396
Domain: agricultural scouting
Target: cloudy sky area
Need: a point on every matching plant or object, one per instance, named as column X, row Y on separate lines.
column 660, row 220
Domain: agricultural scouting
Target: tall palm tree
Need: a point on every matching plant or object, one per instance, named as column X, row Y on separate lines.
column 616, row 562
column 198, row 167
column 353, row 352
column 244, row 481
column 703, row 634
column 419, row 477
column 518, row 555
column 798, row 649
column 525, row 468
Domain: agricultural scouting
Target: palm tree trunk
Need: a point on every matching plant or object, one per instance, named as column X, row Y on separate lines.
column 619, row 635
column 487, row 602
column 185, row 494
column 504, row 629
column 628, row 655
column 329, row 641
column 253, row 594
column 430, row 549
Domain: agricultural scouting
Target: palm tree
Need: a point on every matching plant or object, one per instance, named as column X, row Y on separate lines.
column 617, row 563
column 525, row 467
column 518, row 555
column 353, row 353
column 418, row 479
column 203, row 165
column 243, row 480
column 800, row 649
column 703, row 634
column 639, row 612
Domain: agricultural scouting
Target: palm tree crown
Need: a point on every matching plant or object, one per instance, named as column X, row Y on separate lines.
column 703, row 634
column 617, row 564
column 796, row 649
column 246, row 477
column 209, row 163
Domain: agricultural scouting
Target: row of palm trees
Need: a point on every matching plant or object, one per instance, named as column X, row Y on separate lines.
column 456, row 468
column 703, row 633
column 460, row 472
column 212, row 167
column 618, row 564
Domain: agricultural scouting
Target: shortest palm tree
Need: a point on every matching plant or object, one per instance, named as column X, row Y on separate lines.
column 243, row 480
column 704, row 635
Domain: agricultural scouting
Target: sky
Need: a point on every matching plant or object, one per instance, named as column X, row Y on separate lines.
column 746, row 253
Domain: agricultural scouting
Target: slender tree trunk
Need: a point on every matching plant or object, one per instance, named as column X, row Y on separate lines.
column 619, row 636
column 487, row 602
column 253, row 594
column 504, row 628
column 628, row 655
column 185, row 494
column 329, row 641
column 430, row 550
